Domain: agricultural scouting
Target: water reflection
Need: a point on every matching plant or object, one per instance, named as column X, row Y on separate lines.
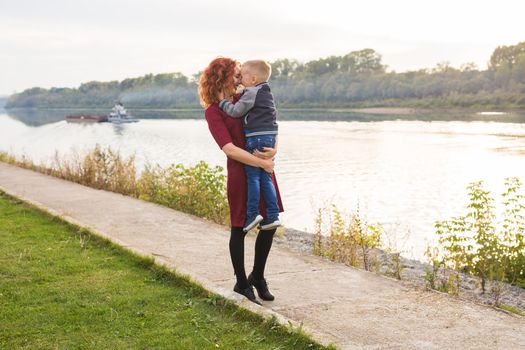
column 36, row 117
column 39, row 117
column 119, row 129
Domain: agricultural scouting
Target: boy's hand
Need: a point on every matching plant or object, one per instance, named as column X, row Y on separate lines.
column 267, row 153
column 221, row 96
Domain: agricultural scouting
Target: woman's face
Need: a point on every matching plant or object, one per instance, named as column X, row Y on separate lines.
column 237, row 76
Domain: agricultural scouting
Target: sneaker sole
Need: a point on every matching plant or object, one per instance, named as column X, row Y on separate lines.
column 273, row 225
column 254, row 223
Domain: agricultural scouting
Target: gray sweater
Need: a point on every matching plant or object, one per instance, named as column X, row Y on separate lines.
column 258, row 108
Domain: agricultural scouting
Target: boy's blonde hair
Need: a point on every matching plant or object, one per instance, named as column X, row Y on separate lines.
column 260, row 68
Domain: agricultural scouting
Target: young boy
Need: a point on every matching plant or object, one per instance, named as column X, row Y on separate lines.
column 257, row 106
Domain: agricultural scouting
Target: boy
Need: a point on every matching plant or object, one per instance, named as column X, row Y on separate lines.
column 257, row 106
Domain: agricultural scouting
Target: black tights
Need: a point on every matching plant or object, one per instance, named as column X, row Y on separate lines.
column 263, row 244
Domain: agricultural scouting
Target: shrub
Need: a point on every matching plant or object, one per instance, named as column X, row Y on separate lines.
column 478, row 244
column 199, row 190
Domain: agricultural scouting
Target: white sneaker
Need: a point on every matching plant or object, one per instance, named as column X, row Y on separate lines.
column 271, row 225
column 252, row 224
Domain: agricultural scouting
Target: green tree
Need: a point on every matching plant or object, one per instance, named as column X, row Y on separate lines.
column 506, row 55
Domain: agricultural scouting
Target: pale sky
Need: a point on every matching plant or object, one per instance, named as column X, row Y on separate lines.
column 65, row 43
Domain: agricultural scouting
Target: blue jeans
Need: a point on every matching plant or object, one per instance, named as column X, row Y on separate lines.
column 259, row 181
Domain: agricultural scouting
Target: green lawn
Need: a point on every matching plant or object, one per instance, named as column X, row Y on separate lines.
column 64, row 288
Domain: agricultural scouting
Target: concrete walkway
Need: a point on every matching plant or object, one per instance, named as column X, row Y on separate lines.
column 352, row 308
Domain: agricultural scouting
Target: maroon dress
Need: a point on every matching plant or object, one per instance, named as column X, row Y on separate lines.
column 224, row 130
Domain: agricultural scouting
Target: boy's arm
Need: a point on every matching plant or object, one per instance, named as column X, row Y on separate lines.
column 242, row 106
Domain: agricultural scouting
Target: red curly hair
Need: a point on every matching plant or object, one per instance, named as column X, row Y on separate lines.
column 216, row 78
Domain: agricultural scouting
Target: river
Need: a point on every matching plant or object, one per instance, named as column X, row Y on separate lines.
column 404, row 172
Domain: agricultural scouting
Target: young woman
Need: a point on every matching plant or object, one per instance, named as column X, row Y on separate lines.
column 220, row 79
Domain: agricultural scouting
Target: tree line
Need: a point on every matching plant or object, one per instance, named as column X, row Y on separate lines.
column 358, row 79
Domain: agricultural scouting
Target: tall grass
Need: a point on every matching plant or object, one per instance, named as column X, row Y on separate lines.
column 346, row 238
column 199, row 190
column 100, row 169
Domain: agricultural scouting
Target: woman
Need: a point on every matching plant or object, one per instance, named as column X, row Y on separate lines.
column 219, row 79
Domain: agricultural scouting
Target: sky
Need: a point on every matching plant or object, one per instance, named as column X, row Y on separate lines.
column 59, row 43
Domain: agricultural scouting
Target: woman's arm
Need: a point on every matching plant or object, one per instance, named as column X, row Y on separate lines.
column 244, row 157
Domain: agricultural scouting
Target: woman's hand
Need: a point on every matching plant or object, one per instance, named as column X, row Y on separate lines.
column 245, row 157
column 267, row 153
column 267, row 165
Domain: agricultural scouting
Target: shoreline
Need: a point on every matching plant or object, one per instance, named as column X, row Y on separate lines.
column 386, row 110
column 364, row 110
column 413, row 272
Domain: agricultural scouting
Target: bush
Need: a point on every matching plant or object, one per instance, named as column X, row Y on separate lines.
column 199, row 190
column 478, row 244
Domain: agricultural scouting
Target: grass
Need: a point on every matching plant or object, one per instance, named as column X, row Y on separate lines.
column 65, row 288
column 513, row 309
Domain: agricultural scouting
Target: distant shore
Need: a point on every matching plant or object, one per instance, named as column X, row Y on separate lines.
column 385, row 110
column 367, row 110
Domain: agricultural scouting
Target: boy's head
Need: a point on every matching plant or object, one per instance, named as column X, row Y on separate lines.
column 255, row 72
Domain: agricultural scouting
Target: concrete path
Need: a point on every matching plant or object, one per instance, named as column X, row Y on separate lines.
column 352, row 308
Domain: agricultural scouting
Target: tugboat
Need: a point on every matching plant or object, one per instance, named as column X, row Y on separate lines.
column 120, row 115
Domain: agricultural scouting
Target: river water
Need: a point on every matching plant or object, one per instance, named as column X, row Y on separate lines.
column 404, row 172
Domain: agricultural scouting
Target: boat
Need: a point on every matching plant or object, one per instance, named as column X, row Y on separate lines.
column 121, row 119
column 119, row 115
column 86, row 118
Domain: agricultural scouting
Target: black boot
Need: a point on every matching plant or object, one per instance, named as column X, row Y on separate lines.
column 247, row 292
column 262, row 288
